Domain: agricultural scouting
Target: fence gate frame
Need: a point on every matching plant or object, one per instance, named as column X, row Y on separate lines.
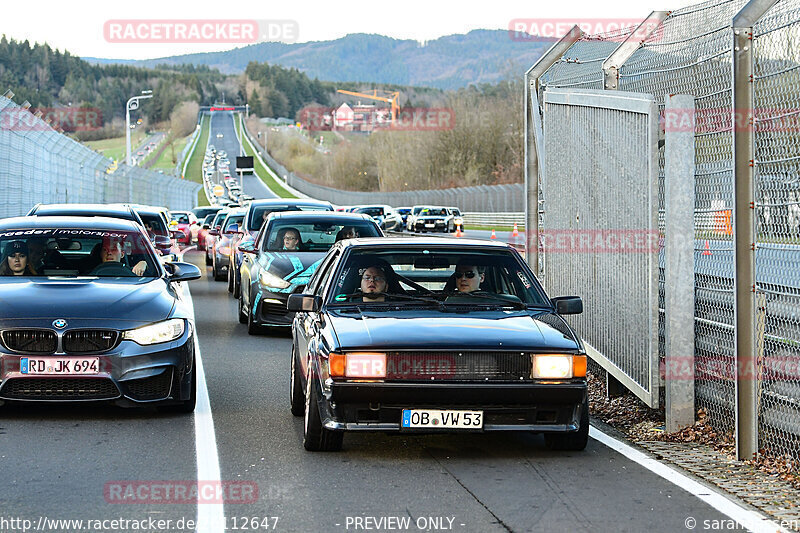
column 639, row 107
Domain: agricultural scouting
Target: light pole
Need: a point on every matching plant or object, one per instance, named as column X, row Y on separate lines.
column 133, row 103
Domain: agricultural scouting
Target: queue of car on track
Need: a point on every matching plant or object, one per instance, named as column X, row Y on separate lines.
column 388, row 334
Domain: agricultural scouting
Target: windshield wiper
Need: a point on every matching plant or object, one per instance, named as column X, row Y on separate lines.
column 388, row 295
column 494, row 298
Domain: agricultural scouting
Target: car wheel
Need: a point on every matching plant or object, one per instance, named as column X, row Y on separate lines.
column 186, row 406
column 230, row 280
column 252, row 327
column 237, row 287
column 296, row 397
column 575, row 441
column 208, row 259
column 242, row 314
column 316, row 438
column 217, row 275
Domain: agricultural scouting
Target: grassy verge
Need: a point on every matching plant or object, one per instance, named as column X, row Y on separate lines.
column 165, row 160
column 194, row 170
column 261, row 170
column 490, row 228
column 114, row 148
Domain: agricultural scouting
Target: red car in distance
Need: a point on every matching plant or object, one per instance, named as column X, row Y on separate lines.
column 187, row 223
column 202, row 233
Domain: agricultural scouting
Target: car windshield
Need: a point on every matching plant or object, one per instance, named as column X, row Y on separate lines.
column 433, row 211
column 424, row 276
column 154, row 224
column 231, row 220
column 219, row 218
column 371, row 211
column 180, row 218
column 258, row 214
column 314, row 236
column 76, row 252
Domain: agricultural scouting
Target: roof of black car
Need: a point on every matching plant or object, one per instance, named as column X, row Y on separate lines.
column 76, row 222
column 289, row 201
column 85, row 210
column 405, row 242
column 328, row 215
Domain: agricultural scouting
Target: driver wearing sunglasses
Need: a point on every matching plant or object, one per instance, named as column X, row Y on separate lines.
column 469, row 277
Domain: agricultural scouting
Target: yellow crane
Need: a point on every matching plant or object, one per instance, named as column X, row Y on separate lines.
column 388, row 96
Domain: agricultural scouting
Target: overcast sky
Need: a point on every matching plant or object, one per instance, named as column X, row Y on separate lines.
column 78, row 26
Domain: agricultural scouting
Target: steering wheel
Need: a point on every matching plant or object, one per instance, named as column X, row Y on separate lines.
column 111, row 269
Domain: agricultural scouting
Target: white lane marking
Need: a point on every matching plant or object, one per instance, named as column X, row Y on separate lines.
column 752, row 520
column 210, row 516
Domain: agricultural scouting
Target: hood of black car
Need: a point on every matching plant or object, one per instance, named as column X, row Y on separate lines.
column 86, row 298
column 435, row 330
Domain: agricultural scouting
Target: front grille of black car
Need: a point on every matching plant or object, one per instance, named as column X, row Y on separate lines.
column 59, row 389
column 30, row 341
column 152, row 388
column 458, row 366
column 82, row 341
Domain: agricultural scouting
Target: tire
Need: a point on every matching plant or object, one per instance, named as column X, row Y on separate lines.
column 216, row 273
column 252, row 327
column 575, row 441
column 315, row 437
column 297, row 398
column 186, row 406
column 242, row 314
column 208, row 259
column 230, row 280
column 237, row 287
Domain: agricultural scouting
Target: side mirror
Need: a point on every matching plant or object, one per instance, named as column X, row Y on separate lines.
column 177, row 234
column 206, row 226
column 233, row 228
column 182, row 271
column 304, row 302
column 214, row 232
column 568, row 305
column 162, row 242
column 247, row 247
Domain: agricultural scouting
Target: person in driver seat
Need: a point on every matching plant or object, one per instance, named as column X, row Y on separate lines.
column 112, row 252
column 469, row 277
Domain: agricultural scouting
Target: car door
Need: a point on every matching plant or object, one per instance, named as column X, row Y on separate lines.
column 249, row 269
column 308, row 323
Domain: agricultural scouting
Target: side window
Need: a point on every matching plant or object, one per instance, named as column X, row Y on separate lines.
column 324, row 274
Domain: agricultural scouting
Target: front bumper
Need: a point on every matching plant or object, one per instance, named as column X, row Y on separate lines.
column 539, row 407
column 427, row 225
column 269, row 309
column 130, row 375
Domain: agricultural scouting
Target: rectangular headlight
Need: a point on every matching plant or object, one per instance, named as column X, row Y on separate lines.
column 551, row 366
column 269, row 279
column 358, row 365
column 165, row 331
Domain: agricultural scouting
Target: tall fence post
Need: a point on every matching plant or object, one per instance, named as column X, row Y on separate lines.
column 533, row 139
column 626, row 48
column 744, row 227
column 679, row 244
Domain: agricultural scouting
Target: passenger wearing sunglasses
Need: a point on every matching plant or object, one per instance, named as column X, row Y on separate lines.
column 373, row 284
column 469, row 277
